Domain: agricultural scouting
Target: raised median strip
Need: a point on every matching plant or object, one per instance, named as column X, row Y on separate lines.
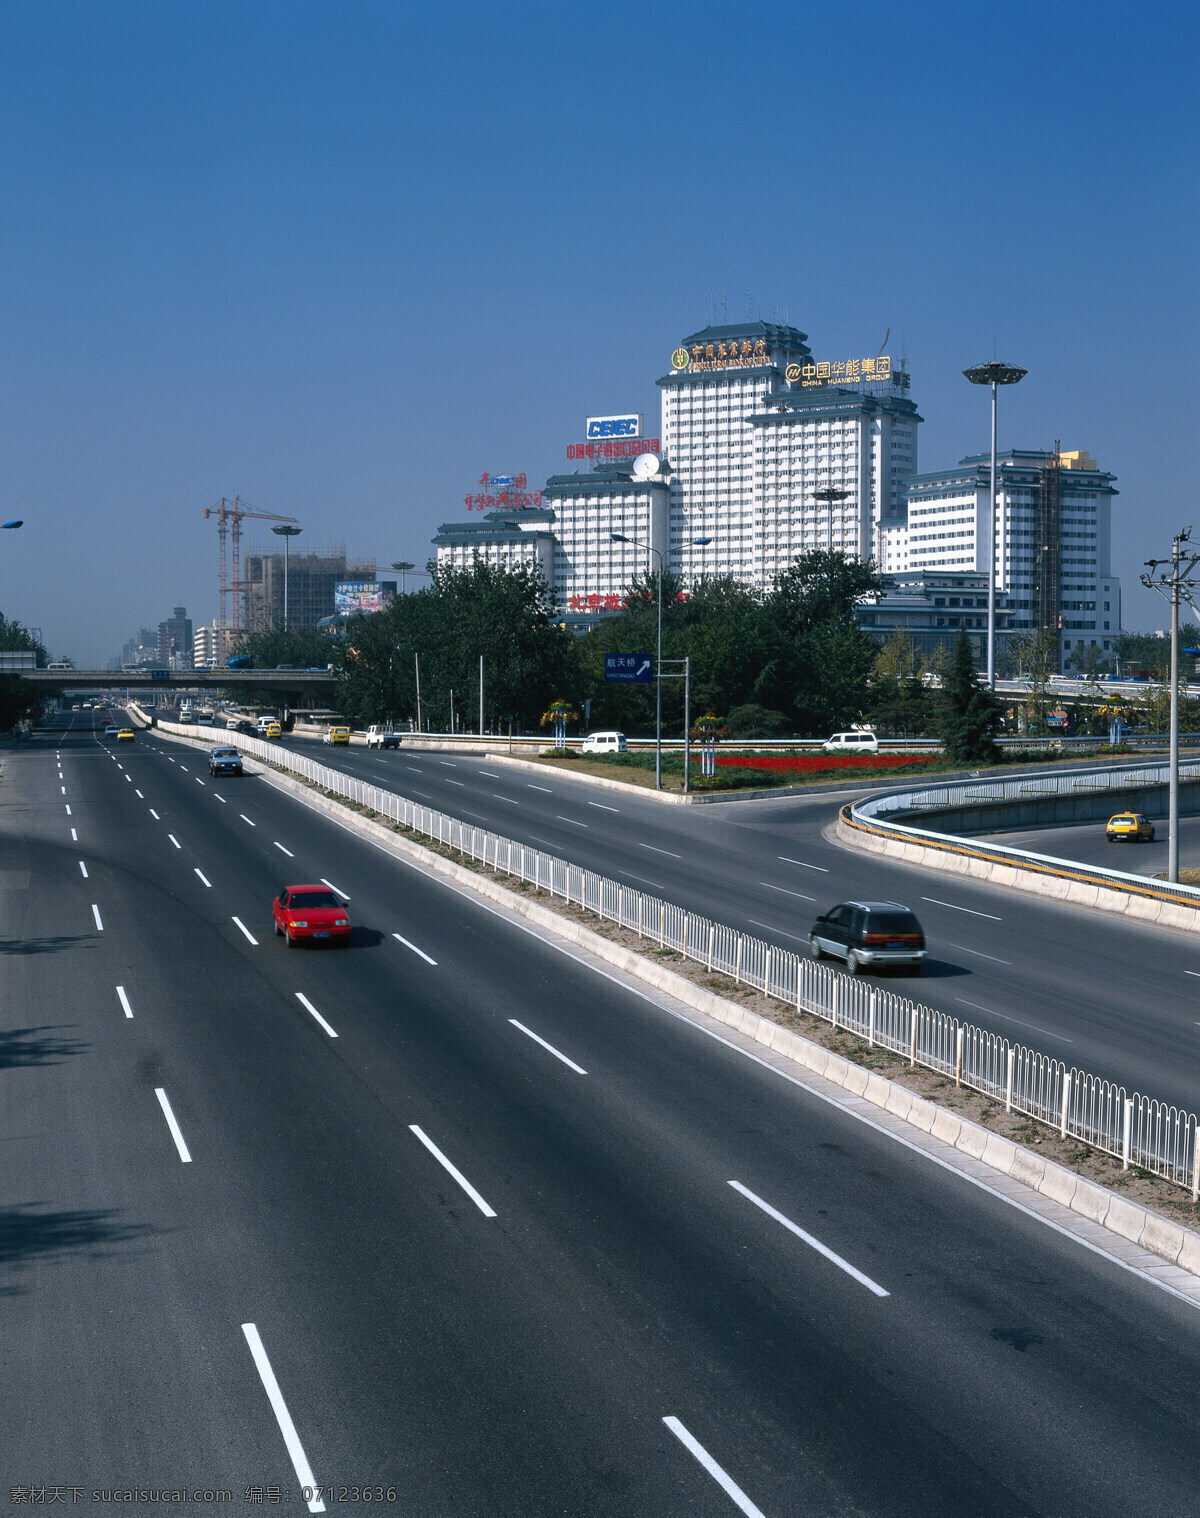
column 1010, row 1083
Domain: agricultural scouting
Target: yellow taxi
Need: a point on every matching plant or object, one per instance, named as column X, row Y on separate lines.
column 337, row 735
column 125, row 735
column 1130, row 825
column 272, row 730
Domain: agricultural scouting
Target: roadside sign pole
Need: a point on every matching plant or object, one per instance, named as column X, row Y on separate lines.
column 1170, row 584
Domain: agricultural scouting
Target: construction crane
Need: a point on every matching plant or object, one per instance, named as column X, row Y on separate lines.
column 229, row 515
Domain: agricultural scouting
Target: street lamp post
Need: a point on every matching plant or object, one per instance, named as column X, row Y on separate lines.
column 287, row 533
column 1170, row 583
column 619, row 537
column 993, row 374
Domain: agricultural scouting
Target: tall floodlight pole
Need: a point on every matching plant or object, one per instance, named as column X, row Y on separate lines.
column 993, row 374
column 619, row 537
column 1171, row 582
column 287, row 534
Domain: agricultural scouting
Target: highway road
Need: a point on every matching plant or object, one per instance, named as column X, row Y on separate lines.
column 450, row 1215
column 1109, row 996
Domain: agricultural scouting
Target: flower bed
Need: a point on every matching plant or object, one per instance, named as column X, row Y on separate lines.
column 826, row 761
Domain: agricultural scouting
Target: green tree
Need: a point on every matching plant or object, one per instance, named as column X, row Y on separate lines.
column 901, row 703
column 970, row 713
column 18, row 698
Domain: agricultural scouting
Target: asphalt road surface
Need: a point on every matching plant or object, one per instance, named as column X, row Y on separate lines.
column 1108, row 996
column 451, row 1216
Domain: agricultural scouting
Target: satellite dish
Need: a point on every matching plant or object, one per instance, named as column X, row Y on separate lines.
column 646, row 466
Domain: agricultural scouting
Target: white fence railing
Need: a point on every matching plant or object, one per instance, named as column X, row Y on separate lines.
column 1139, row 1130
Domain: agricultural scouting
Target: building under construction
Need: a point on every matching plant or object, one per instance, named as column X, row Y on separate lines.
column 311, row 578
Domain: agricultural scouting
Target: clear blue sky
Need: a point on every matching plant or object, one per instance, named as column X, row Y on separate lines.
column 343, row 258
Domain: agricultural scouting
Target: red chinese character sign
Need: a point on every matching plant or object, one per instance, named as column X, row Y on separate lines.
column 615, row 448
column 503, row 492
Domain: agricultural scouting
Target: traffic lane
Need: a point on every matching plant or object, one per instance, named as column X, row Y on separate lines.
column 682, row 1183
column 103, row 1384
column 1086, row 843
column 1052, row 977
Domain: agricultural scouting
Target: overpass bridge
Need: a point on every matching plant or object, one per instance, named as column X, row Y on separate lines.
column 88, row 681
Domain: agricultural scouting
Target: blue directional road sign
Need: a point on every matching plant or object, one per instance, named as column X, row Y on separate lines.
column 629, row 669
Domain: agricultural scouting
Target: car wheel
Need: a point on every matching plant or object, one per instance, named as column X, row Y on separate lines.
column 852, row 963
column 288, row 939
column 1151, row 837
column 814, row 948
column 278, row 931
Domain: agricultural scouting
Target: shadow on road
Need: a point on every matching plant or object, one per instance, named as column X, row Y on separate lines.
column 942, row 969
column 36, row 1046
column 28, row 1234
column 43, row 945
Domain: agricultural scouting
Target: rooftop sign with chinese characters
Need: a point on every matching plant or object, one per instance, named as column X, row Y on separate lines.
column 703, row 357
column 614, row 448
column 502, row 492
column 852, row 371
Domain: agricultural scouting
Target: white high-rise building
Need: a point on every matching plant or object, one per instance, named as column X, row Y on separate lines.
column 1053, row 544
column 754, row 430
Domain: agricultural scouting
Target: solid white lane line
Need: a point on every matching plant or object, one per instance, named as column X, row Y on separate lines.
column 220, row 798
column 247, row 821
column 174, row 840
column 1033, row 1027
column 822, row 1249
column 962, row 949
column 83, row 869
column 138, row 794
column 173, row 1125
column 68, row 811
column 282, row 850
column 802, row 864
column 124, row 1000
column 74, row 836
column 604, row 808
column 96, row 915
column 783, row 890
column 420, row 952
column 969, row 910
column 246, row 931
column 572, row 821
column 457, row 1174
column 529, row 786
column 653, row 850
column 557, row 1053
column 205, row 881
column 334, row 889
column 727, row 1484
column 489, row 774
column 308, row 1007
column 287, row 1428
column 155, row 815
column 780, row 931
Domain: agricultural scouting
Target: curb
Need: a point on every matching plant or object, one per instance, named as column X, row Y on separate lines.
column 1147, row 908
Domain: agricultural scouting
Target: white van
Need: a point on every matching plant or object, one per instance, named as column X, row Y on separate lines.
column 605, row 743
column 851, row 743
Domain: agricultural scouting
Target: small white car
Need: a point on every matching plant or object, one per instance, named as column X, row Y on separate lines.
column 851, row 743
column 605, row 743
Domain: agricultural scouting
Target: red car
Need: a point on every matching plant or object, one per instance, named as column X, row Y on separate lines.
column 311, row 912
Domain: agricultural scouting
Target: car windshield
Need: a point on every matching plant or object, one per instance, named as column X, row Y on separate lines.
column 309, row 900
column 224, row 753
column 893, row 922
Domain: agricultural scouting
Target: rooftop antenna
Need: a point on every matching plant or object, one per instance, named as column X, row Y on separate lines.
column 725, row 307
column 883, row 344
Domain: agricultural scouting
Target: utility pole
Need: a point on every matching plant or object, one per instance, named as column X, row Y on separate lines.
column 481, row 695
column 1171, row 578
column 417, row 667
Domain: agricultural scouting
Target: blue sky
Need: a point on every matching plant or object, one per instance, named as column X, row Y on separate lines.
column 343, row 258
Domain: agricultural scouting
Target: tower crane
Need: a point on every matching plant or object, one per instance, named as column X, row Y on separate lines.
column 230, row 515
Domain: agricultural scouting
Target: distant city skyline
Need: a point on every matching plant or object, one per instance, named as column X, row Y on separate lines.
column 344, row 260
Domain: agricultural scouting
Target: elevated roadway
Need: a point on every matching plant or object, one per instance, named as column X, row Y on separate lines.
column 521, row 1359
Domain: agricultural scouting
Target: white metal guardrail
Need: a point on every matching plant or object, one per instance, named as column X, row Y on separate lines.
column 1137, row 1129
